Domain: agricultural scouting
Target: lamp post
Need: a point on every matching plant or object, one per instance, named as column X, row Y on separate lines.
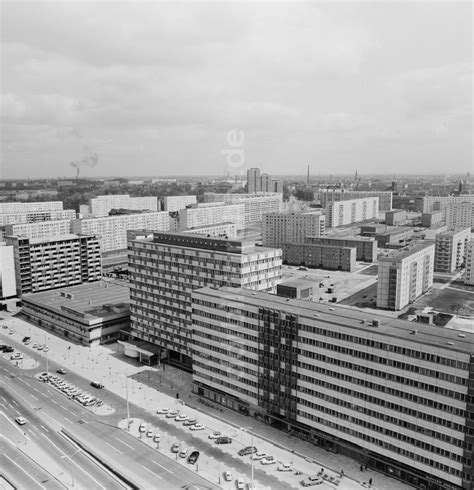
column 46, row 349
column 250, row 431
column 128, row 405
column 69, row 457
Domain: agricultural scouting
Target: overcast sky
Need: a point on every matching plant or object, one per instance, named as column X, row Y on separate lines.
column 155, row 88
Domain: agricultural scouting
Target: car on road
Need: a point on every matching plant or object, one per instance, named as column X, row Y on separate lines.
column 163, row 411
column 189, row 422
column 285, row 467
column 150, row 432
column 223, row 440
column 197, row 427
column 61, row 371
column 97, row 385
column 247, row 450
column 240, row 484
column 184, row 452
column 172, row 414
column 193, row 457
column 215, row 435
column 20, row 420
column 312, row 480
column 142, row 428
column 181, row 418
column 268, row 460
column 175, row 447
column 228, row 476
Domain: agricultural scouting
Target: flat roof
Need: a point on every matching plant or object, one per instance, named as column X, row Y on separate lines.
column 415, row 247
column 57, row 238
column 297, row 283
column 348, row 317
column 91, row 300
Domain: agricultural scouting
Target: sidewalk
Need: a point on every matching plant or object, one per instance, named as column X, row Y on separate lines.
column 151, row 388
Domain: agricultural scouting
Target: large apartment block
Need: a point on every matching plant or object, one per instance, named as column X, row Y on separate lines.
column 459, row 214
column 175, row 203
column 255, row 205
column 327, row 196
column 450, row 249
column 366, row 247
column 163, row 272
column 38, row 229
column 102, row 205
column 341, row 213
column 428, row 204
column 211, row 214
column 32, row 216
column 112, row 230
column 7, row 271
column 331, row 257
column 404, row 275
column 469, row 277
column 257, row 182
column 49, row 263
column 30, row 207
column 395, row 396
column 281, row 228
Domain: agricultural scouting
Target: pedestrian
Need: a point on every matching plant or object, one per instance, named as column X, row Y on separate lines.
column 361, row 468
column 370, row 482
column 342, row 472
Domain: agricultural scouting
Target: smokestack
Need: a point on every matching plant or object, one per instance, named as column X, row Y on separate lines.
column 307, row 177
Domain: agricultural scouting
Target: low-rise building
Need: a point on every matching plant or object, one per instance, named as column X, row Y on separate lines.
column 398, row 235
column 404, row 275
column 331, row 257
column 396, row 217
column 450, row 249
column 432, row 219
column 391, row 394
column 366, row 247
column 297, row 288
column 90, row 314
column 49, row 263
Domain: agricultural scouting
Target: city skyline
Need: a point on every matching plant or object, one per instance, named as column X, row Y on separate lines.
column 156, row 89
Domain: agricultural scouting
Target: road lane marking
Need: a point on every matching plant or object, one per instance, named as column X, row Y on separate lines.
column 114, row 448
column 65, row 418
column 54, row 401
column 154, row 474
column 128, row 445
column 22, row 470
column 15, row 403
column 44, row 428
column 35, row 397
column 37, row 391
column 62, row 406
column 166, row 469
column 26, row 383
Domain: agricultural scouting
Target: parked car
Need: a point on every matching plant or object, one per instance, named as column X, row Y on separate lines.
column 223, row 440
column 247, row 450
column 285, row 467
column 172, row 414
column 175, row 447
column 193, row 457
column 25, row 339
column 61, row 371
column 142, row 428
column 20, row 420
column 162, row 410
column 311, row 480
column 189, row 422
column 197, row 427
column 240, row 484
column 35, row 345
column 215, row 435
column 268, row 460
column 184, row 452
column 181, row 418
column 97, row 385
column 258, row 456
column 156, row 438
column 150, row 432
column 39, row 347
column 228, row 476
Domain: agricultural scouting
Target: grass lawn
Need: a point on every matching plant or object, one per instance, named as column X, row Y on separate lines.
column 448, row 301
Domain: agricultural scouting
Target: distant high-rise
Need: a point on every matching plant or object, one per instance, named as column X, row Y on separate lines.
column 254, row 183
column 257, row 182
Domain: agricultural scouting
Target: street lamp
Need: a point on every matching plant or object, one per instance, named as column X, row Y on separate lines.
column 128, row 405
column 46, row 349
column 69, row 457
column 250, row 431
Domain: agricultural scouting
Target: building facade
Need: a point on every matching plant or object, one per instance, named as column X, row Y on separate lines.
column 50, row 263
column 395, row 398
column 459, row 215
column 431, row 219
column 7, row 272
column 366, row 247
column 112, row 230
column 398, row 235
column 257, row 183
column 101, row 205
column 428, row 204
column 469, row 276
column 30, row 207
column 327, row 196
column 32, row 216
column 404, row 275
column 450, row 249
column 347, row 212
column 210, row 214
column 38, row 229
column 396, row 217
column 278, row 228
column 330, row 257
column 163, row 272
column 89, row 314
column 225, row 230
column 175, row 203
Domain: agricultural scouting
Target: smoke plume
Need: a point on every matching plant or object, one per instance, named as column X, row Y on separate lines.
column 90, row 159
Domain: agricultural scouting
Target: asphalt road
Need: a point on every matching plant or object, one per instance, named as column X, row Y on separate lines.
column 363, row 296
column 48, row 411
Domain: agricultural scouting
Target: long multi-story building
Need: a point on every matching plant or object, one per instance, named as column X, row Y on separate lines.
column 366, row 247
column 33, row 216
column 331, row 257
column 327, row 196
column 54, row 262
column 112, row 230
column 210, row 214
column 428, row 204
column 397, row 235
column 459, row 215
column 404, row 275
column 163, row 272
column 393, row 395
column 450, row 249
column 348, row 212
column 469, row 276
column 38, row 229
column 255, row 205
column 175, row 203
column 7, row 271
column 101, row 205
column 281, row 228
column 226, row 230
column 30, row 207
